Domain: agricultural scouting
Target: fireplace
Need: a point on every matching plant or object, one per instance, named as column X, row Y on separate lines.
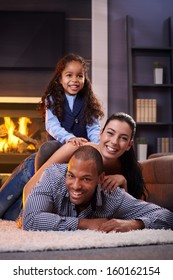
column 22, row 130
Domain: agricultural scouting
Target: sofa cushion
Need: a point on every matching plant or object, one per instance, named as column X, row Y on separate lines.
column 159, row 155
column 158, row 177
column 160, row 194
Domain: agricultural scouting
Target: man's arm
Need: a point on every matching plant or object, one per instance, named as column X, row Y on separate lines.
column 105, row 225
column 126, row 207
column 121, row 225
column 92, row 224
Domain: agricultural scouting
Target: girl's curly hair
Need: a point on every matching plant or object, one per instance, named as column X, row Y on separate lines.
column 92, row 109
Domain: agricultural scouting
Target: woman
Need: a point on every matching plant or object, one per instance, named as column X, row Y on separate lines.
column 116, row 148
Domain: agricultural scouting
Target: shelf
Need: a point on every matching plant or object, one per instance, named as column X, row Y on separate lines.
column 154, row 85
column 155, row 123
column 151, row 49
column 140, row 60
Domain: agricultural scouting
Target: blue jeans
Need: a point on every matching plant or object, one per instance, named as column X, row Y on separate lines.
column 11, row 191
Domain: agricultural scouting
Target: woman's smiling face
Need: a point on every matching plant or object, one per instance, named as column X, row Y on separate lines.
column 115, row 139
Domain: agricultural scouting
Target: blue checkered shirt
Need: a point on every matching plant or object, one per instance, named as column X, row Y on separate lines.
column 48, row 206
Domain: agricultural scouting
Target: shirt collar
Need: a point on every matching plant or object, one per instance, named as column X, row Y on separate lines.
column 97, row 199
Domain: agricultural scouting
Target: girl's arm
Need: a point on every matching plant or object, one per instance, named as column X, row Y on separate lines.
column 54, row 128
column 93, row 132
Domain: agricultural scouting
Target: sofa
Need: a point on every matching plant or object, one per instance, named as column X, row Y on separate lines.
column 157, row 172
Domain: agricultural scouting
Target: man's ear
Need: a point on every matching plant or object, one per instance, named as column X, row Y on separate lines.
column 101, row 178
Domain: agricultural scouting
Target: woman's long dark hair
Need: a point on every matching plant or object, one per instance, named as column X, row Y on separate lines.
column 130, row 166
column 93, row 109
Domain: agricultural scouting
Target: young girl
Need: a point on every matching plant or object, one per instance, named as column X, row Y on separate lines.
column 69, row 107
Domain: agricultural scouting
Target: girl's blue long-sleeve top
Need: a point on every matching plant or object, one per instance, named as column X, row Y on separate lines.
column 57, row 131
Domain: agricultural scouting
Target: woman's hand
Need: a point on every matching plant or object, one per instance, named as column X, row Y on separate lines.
column 77, row 141
column 111, row 182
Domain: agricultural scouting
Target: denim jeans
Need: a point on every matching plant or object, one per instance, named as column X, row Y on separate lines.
column 11, row 191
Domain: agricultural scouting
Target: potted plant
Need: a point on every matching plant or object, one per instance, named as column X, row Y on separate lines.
column 158, row 73
column 141, row 148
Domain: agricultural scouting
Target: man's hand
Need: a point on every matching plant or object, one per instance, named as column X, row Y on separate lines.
column 121, row 225
column 92, row 224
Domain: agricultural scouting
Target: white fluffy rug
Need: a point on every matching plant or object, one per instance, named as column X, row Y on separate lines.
column 14, row 239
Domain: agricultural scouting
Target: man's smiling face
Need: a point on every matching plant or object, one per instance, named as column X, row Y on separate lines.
column 81, row 181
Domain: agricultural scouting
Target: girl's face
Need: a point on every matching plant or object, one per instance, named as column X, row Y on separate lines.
column 115, row 139
column 73, row 78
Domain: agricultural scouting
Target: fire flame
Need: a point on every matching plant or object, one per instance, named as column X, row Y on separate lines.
column 11, row 142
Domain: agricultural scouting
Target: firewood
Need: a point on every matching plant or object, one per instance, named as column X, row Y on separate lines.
column 35, row 133
column 22, row 147
column 27, row 139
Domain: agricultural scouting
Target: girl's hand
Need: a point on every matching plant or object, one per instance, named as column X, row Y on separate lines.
column 111, row 182
column 76, row 141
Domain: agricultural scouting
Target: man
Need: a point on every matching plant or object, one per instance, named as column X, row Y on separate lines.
column 69, row 197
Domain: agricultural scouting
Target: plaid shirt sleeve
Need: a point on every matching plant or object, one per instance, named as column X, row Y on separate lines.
column 121, row 205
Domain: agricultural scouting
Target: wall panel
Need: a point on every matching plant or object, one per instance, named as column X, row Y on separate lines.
column 77, row 39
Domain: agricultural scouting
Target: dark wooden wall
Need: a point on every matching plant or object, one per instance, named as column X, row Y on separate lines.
column 77, row 39
column 149, row 23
